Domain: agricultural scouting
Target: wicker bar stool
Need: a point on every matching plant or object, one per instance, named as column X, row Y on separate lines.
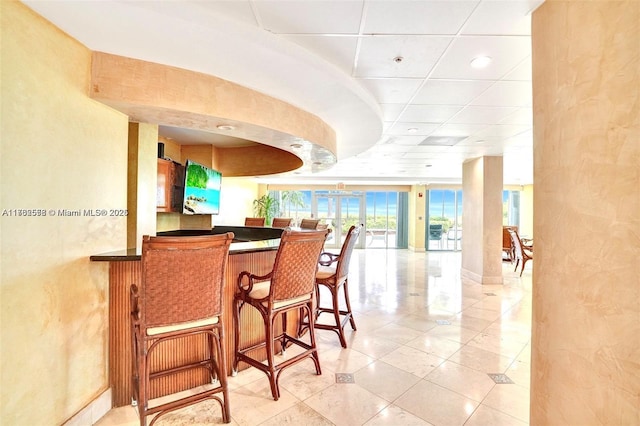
column 309, row 223
column 333, row 274
column 281, row 222
column 288, row 287
column 254, row 221
column 180, row 296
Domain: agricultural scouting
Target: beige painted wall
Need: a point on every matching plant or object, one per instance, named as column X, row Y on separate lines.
column 236, row 200
column 585, row 363
column 526, row 211
column 417, row 218
column 59, row 150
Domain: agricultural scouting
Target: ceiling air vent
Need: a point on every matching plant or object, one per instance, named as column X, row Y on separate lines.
column 442, row 140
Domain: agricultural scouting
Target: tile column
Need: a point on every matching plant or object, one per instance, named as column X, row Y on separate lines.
column 482, row 220
column 585, row 366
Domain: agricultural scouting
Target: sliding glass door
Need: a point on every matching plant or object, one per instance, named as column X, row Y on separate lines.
column 444, row 229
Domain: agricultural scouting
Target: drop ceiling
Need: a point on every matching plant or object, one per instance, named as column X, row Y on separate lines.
column 392, row 77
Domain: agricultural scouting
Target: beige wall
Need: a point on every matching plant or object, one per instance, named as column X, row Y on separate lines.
column 526, row 211
column 418, row 218
column 236, row 201
column 60, row 150
column 586, row 272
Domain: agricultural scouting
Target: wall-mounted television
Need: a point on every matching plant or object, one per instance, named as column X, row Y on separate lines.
column 201, row 189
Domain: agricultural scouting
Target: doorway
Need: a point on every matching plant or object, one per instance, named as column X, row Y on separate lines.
column 339, row 211
column 444, row 230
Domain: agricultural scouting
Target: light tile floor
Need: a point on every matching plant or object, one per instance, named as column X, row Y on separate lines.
column 426, row 343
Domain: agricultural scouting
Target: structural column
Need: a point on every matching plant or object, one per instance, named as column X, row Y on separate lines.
column 585, row 366
column 142, row 174
column 482, row 220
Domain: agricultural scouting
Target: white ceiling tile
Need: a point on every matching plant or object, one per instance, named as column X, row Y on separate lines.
column 450, row 92
column 404, row 140
column 500, row 131
column 522, row 71
column 523, row 139
column 420, row 155
column 419, row 55
column 496, row 17
column 310, row 17
column 458, row 129
column 506, row 93
column 416, row 17
column 338, row 50
column 404, row 128
column 482, row 115
column 521, row 116
column 429, row 113
column 239, row 10
column 506, row 52
column 390, row 112
column 392, row 90
column 428, row 149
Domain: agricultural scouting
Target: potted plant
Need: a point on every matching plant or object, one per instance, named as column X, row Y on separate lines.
column 266, row 206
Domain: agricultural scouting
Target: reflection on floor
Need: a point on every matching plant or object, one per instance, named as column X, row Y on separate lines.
column 430, row 349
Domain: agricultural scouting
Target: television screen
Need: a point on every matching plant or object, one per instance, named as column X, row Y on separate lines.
column 201, row 189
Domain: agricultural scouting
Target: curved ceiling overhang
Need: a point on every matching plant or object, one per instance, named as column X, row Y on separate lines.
column 214, row 45
column 160, row 94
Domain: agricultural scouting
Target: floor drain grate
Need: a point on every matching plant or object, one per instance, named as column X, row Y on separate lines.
column 345, row 378
column 501, row 379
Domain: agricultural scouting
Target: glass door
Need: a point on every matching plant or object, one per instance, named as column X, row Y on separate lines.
column 339, row 211
column 444, row 230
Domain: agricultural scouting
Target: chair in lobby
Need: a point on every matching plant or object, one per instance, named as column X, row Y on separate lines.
column 435, row 233
column 507, row 248
column 309, row 223
column 254, row 221
column 290, row 286
column 179, row 297
column 521, row 252
column 333, row 274
column 281, row 222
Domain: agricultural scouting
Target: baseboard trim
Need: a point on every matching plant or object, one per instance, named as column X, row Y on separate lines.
column 480, row 279
column 93, row 412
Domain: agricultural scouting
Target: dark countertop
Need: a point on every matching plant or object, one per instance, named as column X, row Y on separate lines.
column 246, row 240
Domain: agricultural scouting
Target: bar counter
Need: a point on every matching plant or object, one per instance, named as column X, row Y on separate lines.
column 253, row 249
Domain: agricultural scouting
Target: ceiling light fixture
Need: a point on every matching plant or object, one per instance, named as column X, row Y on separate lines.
column 225, row 127
column 480, row 61
column 296, row 145
column 412, row 129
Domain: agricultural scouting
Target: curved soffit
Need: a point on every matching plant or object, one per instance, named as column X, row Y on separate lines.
column 187, row 36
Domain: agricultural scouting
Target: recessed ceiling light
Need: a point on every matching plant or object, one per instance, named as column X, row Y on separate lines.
column 428, row 165
column 412, row 129
column 225, row 127
column 296, row 145
column 481, row 61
